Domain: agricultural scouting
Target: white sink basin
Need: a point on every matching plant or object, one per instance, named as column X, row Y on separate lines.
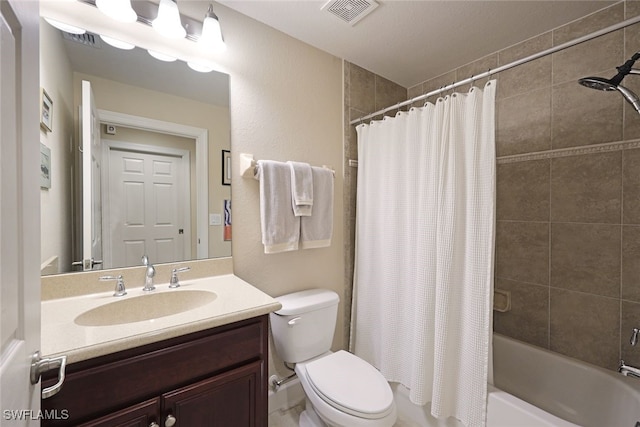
column 145, row 307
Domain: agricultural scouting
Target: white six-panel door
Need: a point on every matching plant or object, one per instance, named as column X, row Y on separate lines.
column 148, row 204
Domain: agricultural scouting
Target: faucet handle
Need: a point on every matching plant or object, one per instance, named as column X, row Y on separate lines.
column 120, row 288
column 634, row 336
column 174, row 283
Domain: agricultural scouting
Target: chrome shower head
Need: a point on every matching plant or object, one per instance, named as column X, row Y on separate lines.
column 613, row 83
column 631, row 97
column 598, row 83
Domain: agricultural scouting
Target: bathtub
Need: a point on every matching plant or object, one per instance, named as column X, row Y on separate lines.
column 538, row 388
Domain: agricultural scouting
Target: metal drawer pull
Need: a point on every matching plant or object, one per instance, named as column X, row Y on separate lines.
column 170, row 421
column 154, row 424
column 40, row 365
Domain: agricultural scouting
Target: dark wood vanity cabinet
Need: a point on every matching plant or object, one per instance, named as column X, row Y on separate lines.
column 210, row 378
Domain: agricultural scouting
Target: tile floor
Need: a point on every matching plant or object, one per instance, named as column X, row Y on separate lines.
column 289, row 418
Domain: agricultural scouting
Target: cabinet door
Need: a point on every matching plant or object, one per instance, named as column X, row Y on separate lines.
column 228, row 399
column 143, row 414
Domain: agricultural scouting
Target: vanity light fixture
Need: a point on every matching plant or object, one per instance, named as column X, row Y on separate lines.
column 120, row 10
column 161, row 56
column 117, row 43
column 71, row 29
column 168, row 21
column 211, row 37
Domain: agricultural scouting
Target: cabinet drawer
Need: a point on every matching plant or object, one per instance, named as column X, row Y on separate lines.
column 120, row 382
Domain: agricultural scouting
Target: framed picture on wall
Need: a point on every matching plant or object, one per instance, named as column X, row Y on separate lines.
column 226, row 167
column 46, row 110
column 45, row 166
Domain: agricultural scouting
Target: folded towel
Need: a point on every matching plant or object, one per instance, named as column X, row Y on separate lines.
column 280, row 228
column 301, row 188
column 317, row 229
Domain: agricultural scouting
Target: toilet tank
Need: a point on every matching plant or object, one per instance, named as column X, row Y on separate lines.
column 303, row 328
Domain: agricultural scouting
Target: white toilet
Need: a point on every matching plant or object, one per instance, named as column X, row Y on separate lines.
column 342, row 390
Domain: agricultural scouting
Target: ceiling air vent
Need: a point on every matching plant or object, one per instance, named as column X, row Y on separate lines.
column 350, row 11
column 87, row 39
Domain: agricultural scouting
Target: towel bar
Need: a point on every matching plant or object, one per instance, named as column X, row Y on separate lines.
column 248, row 166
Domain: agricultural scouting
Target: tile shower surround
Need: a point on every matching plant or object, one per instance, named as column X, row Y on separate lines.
column 568, row 187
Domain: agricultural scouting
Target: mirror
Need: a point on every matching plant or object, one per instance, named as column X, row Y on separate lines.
column 164, row 136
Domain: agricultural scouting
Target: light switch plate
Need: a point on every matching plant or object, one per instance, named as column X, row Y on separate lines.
column 215, row 219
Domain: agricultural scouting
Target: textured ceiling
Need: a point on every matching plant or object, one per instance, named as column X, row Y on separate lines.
column 410, row 41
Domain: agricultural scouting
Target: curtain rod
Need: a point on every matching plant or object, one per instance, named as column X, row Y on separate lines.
column 505, row 67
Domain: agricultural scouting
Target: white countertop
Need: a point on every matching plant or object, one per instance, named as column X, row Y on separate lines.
column 235, row 300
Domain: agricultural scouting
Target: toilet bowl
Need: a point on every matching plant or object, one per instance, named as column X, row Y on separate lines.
column 344, row 390
column 341, row 389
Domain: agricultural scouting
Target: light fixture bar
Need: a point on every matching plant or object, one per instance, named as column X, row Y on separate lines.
column 147, row 12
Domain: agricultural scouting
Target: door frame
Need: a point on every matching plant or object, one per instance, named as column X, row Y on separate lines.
column 185, row 198
column 201, row 137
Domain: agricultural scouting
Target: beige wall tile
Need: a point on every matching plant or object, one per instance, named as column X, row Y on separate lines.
column 363, row 89
column 630, row 263
column 632, row 8
column 583, row 116
column 389, row 93
column 528, row 319
column 527, row 77
column 631, row 186
column 523, row 190
column 524, row 123
column 595, row 57
column 630, row 320
column 522, row 251
column 586, row 258
column 585, row 326
column 589, row 24
column 586, row 188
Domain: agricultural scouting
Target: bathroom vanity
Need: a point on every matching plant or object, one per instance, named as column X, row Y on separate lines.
column 205, row 366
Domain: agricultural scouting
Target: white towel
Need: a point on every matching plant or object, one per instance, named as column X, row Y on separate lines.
column 301, row 188
column 280, row 228
column 317, row 229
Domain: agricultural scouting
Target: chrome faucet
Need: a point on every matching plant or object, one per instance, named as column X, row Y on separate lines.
column 148, row 277
column 628, row 371
column 174, row 282
column 120, row 289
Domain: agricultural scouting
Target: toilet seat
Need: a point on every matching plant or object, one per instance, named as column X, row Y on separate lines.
column 351, row 385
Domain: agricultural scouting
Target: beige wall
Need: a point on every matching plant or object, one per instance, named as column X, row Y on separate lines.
column 56, row 79
column 568, row 231
column 286, row 104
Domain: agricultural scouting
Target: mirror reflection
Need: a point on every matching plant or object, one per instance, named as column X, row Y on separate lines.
column 132, row 155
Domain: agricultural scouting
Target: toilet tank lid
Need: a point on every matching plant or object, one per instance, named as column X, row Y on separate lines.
column 306, row 301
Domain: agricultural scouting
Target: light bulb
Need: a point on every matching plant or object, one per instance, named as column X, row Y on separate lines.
column 168, row 21
column 161, row 56
column 211, row 37
column 117, row 43
column 120, row 10
column 201, row 68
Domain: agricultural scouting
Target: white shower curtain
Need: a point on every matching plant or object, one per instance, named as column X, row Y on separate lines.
column 424, row 251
